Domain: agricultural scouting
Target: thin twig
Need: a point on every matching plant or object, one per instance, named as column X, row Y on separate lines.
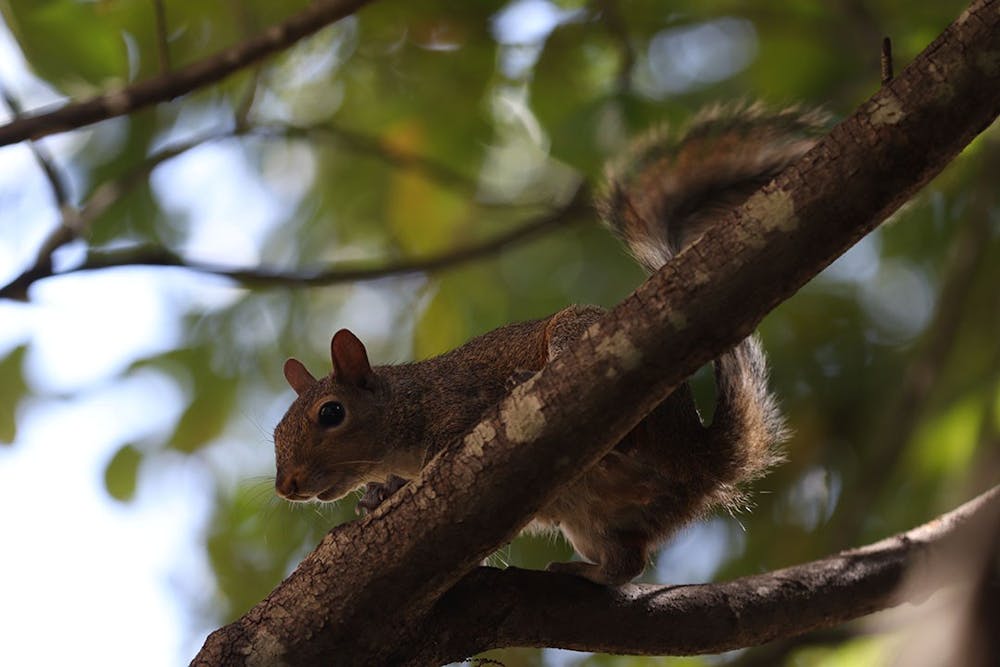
column 166, row 87
column 241, row 114
column 162, row 47
column 103, row 197
column 886, row 60
column 614, row 22
column 57, row 184
column 108, row 193
column 362, row 143
column 263, row 277
column 70, row 223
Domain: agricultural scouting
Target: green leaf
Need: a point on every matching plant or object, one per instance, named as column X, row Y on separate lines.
column 121, row 473
column 213, row 396
column 572, row 82
column 68, row 43
column 12, row 388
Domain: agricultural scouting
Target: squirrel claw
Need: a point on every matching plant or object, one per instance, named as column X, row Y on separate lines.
column 377, row 493
column 519, row 376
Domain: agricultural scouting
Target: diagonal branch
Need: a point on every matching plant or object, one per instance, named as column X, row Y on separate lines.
column 528, row 608
column 397, row 563
column 169, row 85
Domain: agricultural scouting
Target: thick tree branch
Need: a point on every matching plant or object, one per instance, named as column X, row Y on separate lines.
column 492, row 608
column 179, row 82
column 394, row 565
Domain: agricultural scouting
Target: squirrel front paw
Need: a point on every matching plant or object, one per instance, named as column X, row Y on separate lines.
column 377, row 493
column 519, row 376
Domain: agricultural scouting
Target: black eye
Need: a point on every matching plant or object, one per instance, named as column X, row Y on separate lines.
column 332, row 414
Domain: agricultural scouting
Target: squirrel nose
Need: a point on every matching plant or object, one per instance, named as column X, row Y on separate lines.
column 287, row 484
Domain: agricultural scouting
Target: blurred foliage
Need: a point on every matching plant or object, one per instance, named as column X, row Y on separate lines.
column 12, row 388
column 514, row 101
column 121, row 474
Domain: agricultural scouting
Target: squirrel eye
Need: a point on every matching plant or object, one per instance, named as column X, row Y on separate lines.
column 332, row 414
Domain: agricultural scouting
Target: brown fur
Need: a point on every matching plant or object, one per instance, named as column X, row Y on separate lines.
column 669, row 469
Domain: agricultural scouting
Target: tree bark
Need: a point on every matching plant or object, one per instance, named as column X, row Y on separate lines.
column 492, row 608
column 364, row 594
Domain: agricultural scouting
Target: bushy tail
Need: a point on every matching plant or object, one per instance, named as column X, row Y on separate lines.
column 747, row 424
column 662, row 193
column 660, row 197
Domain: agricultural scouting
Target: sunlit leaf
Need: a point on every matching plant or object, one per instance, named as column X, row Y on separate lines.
column 572, row 82
column 947, row 443
column 120, row 475
column 12, row 388
column 68, row 43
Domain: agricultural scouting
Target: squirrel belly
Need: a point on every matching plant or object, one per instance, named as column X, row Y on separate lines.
column 376, row 426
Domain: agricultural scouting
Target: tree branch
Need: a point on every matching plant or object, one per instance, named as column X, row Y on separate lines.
column 368, row 145
column 174, row 84
column 611, row 17
column 395, row 564
column 60, row 192
column 530, row 608
column 74, row 222
column 263, row 277
column 162, row 43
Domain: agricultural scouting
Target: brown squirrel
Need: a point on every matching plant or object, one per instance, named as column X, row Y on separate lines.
column 378, row 425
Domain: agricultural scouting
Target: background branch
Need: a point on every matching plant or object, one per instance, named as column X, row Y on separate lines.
column 162, row 44
column 174, row 84
column 531, row 608
column 108, row 193
column 60, row 192
column 575, row 209
column 367, row 145
column 103, row 197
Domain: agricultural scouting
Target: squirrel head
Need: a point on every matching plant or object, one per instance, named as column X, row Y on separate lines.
column 330, row 441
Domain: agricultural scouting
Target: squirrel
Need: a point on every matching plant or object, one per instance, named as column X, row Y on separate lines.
column 376, row 426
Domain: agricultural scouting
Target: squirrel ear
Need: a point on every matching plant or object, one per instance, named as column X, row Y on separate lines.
column 350, row 361
column 298, row 377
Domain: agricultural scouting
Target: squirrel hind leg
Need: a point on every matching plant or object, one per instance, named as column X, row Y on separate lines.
column 565, row 327
column 617, row 559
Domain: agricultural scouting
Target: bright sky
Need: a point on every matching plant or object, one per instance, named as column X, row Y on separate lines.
column 120, row 579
